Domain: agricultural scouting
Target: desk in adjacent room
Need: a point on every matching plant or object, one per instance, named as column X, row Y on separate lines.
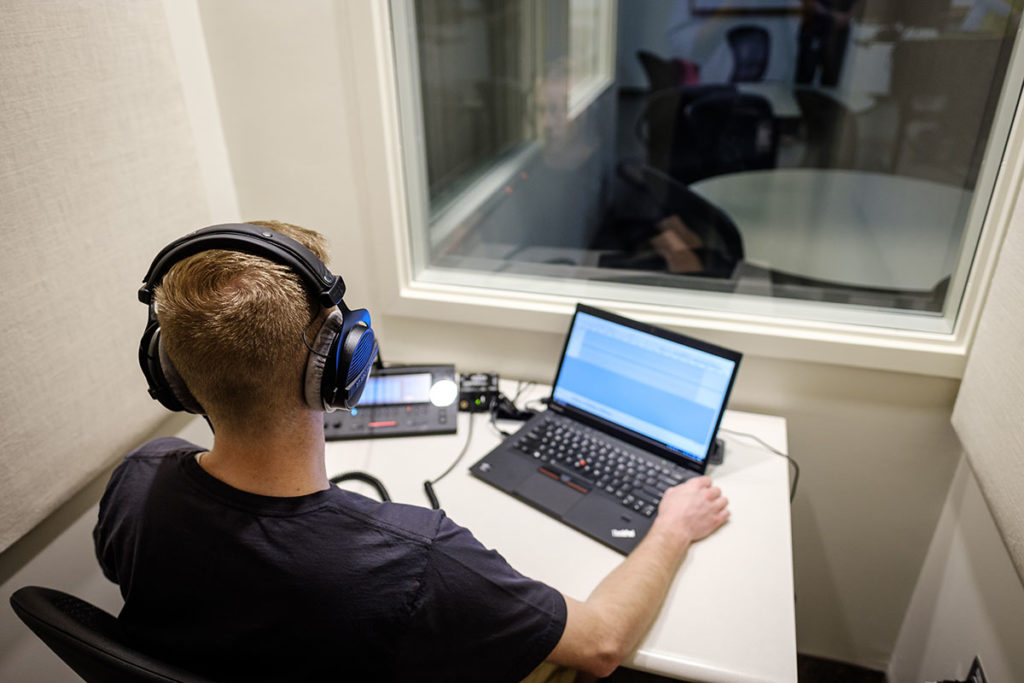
column 849, row 227
column 782, row 97
column 729, row 615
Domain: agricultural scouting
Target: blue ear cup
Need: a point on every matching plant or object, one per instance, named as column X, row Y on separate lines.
column 349, row 360
column 340, row 359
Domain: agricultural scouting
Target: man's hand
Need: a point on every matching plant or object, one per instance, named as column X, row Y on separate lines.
column 691, row 511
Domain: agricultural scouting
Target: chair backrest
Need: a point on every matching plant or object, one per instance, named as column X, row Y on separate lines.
column 665, row 131
column 750, row 47
column 661, row 73
column 90, row 640
column 723, row 242
column 730, row 132
column 665, row 196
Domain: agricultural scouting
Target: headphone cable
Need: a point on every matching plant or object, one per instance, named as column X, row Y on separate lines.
column 776, row 451
column 367, row 479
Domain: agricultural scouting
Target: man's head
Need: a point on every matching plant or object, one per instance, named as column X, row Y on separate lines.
column 233, row 324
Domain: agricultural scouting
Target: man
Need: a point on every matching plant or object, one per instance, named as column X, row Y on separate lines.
column 244, row 563
column 821, row 43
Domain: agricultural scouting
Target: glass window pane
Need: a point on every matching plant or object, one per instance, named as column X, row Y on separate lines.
column 476, row 77
column 836, row 155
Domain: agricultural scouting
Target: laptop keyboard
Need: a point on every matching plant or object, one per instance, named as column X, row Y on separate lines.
column 586, row 454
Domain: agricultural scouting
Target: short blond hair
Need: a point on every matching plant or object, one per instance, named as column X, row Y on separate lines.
column 233, row 324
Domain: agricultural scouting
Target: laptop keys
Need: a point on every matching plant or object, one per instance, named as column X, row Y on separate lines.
column 583, row 459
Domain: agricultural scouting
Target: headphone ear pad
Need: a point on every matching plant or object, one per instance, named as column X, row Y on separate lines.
column 173, row 381
column 318, row 358
column 360, row 347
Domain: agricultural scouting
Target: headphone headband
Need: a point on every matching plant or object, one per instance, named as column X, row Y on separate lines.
column 327, row 288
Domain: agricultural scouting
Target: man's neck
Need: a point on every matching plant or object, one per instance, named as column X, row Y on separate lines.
column 283, row 458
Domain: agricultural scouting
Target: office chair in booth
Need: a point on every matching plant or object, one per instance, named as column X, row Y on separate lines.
column 728, row 132
column 667, row 128
column 90, row 640
column 750, row 47
column 656, row 196
column 667, row 73
column 660, row 72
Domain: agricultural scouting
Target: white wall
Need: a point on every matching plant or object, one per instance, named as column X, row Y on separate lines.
column 98, row 169
column 968, row 600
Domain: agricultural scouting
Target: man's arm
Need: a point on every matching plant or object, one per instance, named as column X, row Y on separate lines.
column 600, row 632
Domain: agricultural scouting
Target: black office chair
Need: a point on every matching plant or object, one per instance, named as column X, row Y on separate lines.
column 90, row 640
column 750, row 47
column 729, row 132
column 661, row 73
column 655, row 196
column 666, row 132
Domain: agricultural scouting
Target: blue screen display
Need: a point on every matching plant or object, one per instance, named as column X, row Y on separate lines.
column 664, row 390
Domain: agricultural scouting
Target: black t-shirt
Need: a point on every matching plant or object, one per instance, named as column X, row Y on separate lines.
column 330, row 585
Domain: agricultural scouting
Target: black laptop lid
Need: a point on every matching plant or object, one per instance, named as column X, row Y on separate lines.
column 660, row 390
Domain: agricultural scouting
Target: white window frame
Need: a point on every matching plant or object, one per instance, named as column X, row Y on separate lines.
column 587, row 87
column 410, row 289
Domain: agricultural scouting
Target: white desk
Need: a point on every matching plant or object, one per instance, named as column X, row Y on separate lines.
column 729, row 616
column 850, row 227
column 782, row 97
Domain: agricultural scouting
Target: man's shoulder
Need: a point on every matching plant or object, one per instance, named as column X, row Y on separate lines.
column 162, row 447
column 140, row 466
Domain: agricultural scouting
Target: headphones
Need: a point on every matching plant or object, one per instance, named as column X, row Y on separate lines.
column 340, row 357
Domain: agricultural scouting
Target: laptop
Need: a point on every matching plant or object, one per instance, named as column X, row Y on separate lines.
column 634, row 409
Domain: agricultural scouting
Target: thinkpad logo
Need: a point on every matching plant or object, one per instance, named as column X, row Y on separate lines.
column 623, row 533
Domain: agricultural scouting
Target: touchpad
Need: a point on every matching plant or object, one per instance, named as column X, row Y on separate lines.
column 547, row 493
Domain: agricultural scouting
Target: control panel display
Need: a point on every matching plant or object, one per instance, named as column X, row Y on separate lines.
column 400, row 401
column 383, row 390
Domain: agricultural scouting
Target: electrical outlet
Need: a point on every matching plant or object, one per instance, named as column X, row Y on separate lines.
column 976, row 674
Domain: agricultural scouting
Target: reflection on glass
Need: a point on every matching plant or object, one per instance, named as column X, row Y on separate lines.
column 822, row 150
column 477, row 71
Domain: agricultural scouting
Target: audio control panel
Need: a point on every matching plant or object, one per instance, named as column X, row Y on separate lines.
column 407, row 400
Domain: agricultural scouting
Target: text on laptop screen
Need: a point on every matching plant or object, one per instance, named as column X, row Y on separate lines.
column 666, row 391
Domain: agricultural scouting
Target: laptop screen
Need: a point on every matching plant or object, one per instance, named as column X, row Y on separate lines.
column 668, row 389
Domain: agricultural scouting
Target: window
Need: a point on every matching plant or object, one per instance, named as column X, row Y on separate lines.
column 477, row 71
column 591, row 51
column 744, row 158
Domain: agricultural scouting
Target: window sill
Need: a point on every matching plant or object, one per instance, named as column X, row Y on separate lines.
column 766, row 335
column 584, row 94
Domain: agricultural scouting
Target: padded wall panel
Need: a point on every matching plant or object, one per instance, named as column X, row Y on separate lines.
column 989, row 411
column 97, row 171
